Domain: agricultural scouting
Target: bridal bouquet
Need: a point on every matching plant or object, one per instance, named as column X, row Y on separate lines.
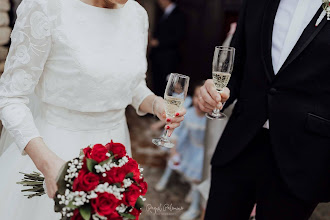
column 102, row 183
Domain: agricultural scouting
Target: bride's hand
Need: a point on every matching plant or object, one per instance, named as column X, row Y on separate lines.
column 171, row 122
column 51, row 172
column 46, row 161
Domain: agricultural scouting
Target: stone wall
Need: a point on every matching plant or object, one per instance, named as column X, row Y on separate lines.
column 5, row 31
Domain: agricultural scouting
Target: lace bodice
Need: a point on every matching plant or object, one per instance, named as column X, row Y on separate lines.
column 74, row 56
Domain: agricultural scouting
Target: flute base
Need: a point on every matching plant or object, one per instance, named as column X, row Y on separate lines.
column 162, row 142
column 216, row 116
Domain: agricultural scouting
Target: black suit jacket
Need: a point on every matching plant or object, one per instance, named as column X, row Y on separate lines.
column 296, row 100
column 169, row 32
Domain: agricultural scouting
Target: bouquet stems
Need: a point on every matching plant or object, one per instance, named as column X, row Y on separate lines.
column 35, row 182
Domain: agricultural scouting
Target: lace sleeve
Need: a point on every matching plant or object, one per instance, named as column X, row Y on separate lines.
column 142, row 91
column 31, row 44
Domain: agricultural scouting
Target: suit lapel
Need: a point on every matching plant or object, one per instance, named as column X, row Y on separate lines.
column 267, row 35
column 307, row 36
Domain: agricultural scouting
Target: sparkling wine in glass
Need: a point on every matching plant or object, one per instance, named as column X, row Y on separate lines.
column 222, row 67
column 175, row 94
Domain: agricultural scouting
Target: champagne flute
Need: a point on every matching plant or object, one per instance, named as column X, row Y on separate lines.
column 175, row 94
column 222, row 67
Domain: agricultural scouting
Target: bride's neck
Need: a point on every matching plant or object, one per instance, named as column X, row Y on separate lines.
column 102, row 4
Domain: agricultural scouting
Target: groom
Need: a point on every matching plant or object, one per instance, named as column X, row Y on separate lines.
column 275, row 150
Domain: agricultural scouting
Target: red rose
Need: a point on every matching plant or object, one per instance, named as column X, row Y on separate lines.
column 117, row 149
column 87, row 151
column 105, row 203
column 76, row 215
column 84, row 166
column 114, row 175
column 132, row 167
column 114, row 216
column 99, row 153
column 143, row 186
column 85, row 181
column 132, row 194
column 136, row 213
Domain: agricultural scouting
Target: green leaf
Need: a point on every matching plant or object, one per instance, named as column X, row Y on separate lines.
column 139, row 203
column 129, row 175
column 90, row 165
column 85, row 212
column 81, row 152
column 71, row 206
column 128, row 216
column 117, row 184
column 106, row 161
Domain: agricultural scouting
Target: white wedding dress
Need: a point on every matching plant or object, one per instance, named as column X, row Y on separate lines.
column 85, row 64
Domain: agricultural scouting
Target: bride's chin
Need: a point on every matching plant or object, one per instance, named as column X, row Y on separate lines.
column 120, row 5
column 116, row 4
column 122, row 2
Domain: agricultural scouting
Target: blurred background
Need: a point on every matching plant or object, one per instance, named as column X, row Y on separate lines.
column 182, row 38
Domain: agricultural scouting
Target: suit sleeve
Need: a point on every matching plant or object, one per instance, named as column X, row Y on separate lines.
column 238, row 42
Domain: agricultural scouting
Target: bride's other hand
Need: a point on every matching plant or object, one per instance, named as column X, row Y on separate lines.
column 47, row 162
column 171, row 122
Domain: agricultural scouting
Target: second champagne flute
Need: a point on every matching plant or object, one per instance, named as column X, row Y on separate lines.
column 175, row 94
column 222, row 67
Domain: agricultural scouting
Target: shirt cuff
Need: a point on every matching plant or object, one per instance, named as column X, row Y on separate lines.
column 22, row 142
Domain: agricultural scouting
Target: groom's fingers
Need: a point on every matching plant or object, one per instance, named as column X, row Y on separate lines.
column 206, row 97
column 225, row 94
column 210, row 87
column 205, row 106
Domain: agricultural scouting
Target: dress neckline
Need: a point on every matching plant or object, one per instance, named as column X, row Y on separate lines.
column 98, row 9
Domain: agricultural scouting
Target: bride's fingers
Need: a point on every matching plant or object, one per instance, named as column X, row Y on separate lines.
column 175, row 119
column 172, row 126
column 162, row 116
column 181, row 113
column 51, row 190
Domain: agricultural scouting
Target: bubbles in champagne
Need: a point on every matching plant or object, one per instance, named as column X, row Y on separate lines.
column 220, row 80
column 172, row 105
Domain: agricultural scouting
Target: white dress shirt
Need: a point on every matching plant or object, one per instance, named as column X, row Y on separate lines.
column 291, row 19
column 169, row 9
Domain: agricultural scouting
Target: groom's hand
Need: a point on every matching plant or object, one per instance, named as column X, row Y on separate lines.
column 210, row 99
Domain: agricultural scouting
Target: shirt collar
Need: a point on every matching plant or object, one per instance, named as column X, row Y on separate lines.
column 169, row 9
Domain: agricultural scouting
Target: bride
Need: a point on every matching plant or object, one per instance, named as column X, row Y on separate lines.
column 86, row 61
